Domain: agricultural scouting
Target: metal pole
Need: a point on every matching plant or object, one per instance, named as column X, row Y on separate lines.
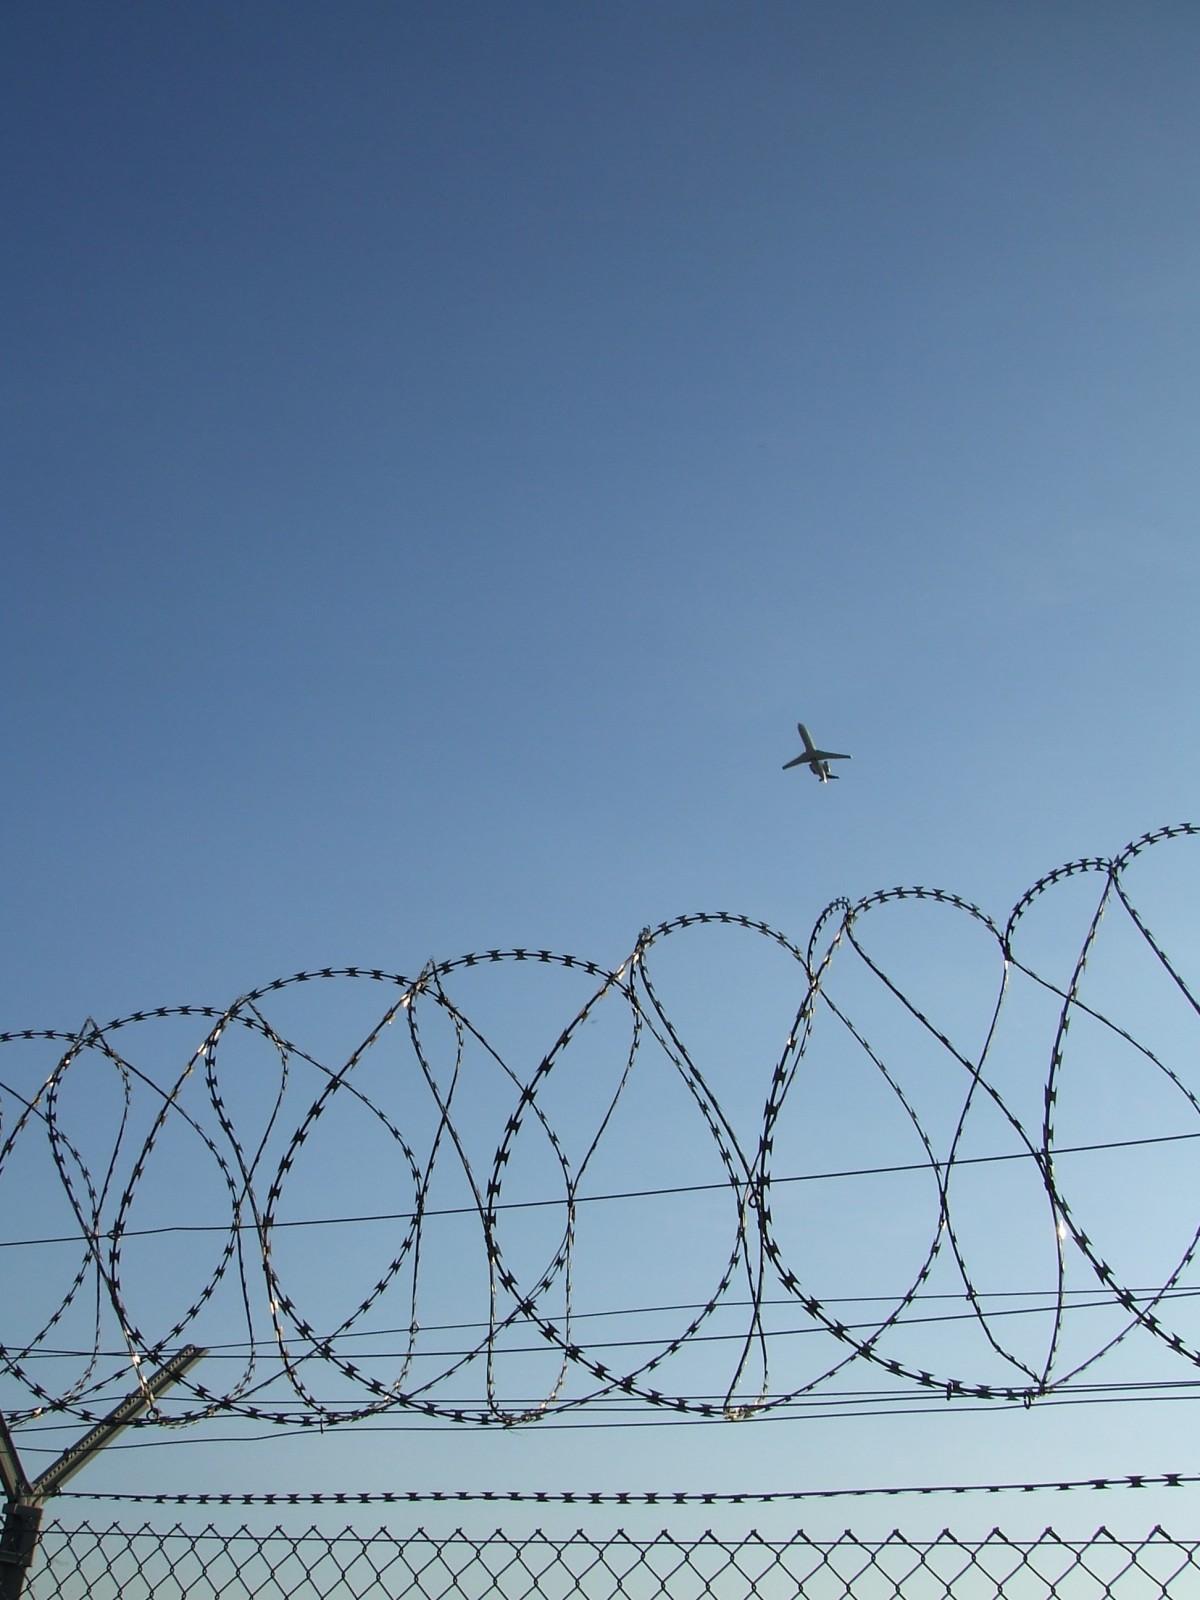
column 24, row 1500
column 22, row 1522
column 22, row 1516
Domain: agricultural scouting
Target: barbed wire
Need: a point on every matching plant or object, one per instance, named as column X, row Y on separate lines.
column 104, row 1156
column 631, row 1497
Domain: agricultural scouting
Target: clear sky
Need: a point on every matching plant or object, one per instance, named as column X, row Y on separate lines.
column 447, row 448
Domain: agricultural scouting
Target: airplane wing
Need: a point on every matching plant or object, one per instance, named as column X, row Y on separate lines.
column 799, row 761
column 827, row 755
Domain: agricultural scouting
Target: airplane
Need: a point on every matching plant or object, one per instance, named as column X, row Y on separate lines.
column 817, row 761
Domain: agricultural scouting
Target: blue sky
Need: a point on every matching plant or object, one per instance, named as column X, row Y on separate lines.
column 446, row 449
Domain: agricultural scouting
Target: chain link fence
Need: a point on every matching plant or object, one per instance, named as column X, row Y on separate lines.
column 93, row 1563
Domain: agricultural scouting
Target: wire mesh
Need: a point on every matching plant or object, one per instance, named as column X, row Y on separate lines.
column 139, row 1563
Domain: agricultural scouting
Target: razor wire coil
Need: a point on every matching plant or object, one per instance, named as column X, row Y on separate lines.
column 298, row 1345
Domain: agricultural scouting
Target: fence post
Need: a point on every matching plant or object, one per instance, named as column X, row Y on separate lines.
column 22, row 1520
column 24, row 1500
